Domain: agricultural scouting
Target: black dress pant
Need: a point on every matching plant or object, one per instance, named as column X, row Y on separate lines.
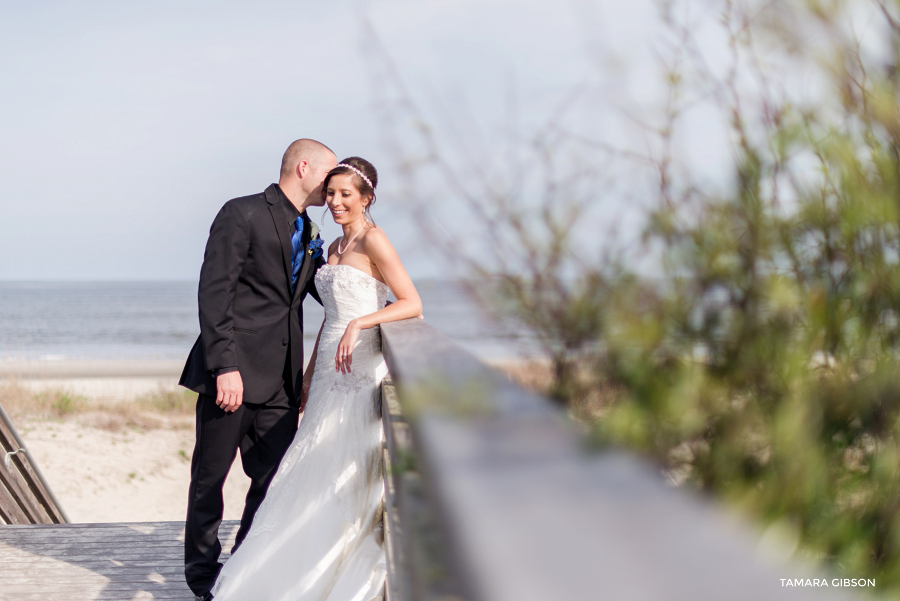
column 262, row 433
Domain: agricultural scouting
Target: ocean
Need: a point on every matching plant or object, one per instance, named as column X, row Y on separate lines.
column 158, row 320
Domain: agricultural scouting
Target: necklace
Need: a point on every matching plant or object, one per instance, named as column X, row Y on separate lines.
column 340, row 252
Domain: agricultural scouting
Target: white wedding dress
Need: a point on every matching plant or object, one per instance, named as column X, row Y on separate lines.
column 317, row 535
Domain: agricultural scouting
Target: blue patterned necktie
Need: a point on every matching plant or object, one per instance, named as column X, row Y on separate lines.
column 296, row 251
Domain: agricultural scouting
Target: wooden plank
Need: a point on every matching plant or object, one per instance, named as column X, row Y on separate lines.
column 49, row 507
column 12, row 481
column 395, row 586
column 10, row 510
column 98, row 526
column 109, row 525
column 127, row 592
column 87, row 550
column 123, row 548
column 42, row 506
column 227, row 528
column 99, row 562
column 135, row 595
column 38, row 570
column 39, row 538
column 10, row 533
column 110, row 581
column 415, row 568
column 106, row 590
column 527, row 514
column 73, row 555
column 148, row 574
column 38, row 561
column 106, row 538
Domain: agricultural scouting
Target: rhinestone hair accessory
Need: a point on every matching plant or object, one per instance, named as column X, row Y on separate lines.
column 357, row 172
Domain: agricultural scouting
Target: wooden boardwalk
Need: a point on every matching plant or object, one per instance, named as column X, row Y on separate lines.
column 83, row 562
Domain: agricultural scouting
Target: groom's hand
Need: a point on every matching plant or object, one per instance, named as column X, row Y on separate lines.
column 229, row 391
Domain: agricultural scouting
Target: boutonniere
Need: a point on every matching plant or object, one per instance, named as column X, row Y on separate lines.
column 315, row 248
column 313, row 230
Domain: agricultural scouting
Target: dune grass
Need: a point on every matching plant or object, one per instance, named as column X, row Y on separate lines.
column 160, row 409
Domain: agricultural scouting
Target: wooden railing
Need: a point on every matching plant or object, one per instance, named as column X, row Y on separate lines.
column 25, row 497
column 492, row 496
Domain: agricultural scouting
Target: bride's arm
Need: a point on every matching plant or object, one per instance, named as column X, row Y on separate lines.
column 310, row 369
column 382, row 254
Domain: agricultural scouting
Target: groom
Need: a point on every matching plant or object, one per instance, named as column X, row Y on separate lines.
column 247, row 362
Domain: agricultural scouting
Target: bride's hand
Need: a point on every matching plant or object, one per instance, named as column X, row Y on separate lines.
column 344, row 357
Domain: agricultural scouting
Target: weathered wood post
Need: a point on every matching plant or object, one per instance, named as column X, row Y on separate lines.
column 25, row 497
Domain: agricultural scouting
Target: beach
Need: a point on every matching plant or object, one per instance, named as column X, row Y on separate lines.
column 113, row 438
column 89, row 372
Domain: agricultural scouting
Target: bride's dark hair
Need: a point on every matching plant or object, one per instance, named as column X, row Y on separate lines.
column 361, row 184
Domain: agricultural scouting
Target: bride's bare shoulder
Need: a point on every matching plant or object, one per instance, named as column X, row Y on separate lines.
column 375, row 237
column 378, row 246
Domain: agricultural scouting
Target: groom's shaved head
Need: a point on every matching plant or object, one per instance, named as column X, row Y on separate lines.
column 306, row 149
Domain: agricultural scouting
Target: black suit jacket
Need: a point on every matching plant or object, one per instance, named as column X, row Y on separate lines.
column 249, row 319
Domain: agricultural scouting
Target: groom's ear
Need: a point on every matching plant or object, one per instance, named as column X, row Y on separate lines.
column 302, row 168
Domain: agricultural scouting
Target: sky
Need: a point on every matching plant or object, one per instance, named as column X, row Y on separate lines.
column 124, row 126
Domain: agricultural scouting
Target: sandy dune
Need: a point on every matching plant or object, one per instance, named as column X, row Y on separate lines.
column 106, row 388
column 125, row 476
column 101, row 469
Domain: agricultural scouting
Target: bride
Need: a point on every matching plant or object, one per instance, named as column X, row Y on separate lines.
column 317, row 535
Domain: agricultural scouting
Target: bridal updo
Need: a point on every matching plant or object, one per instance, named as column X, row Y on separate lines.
column 365, row 178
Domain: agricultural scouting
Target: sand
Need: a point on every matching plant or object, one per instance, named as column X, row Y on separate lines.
column 89, row 368
column 127, row 476
column 119, row 380
column 109, row 389
column 100, row 469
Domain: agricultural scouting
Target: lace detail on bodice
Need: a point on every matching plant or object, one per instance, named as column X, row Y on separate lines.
column 348, row 293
